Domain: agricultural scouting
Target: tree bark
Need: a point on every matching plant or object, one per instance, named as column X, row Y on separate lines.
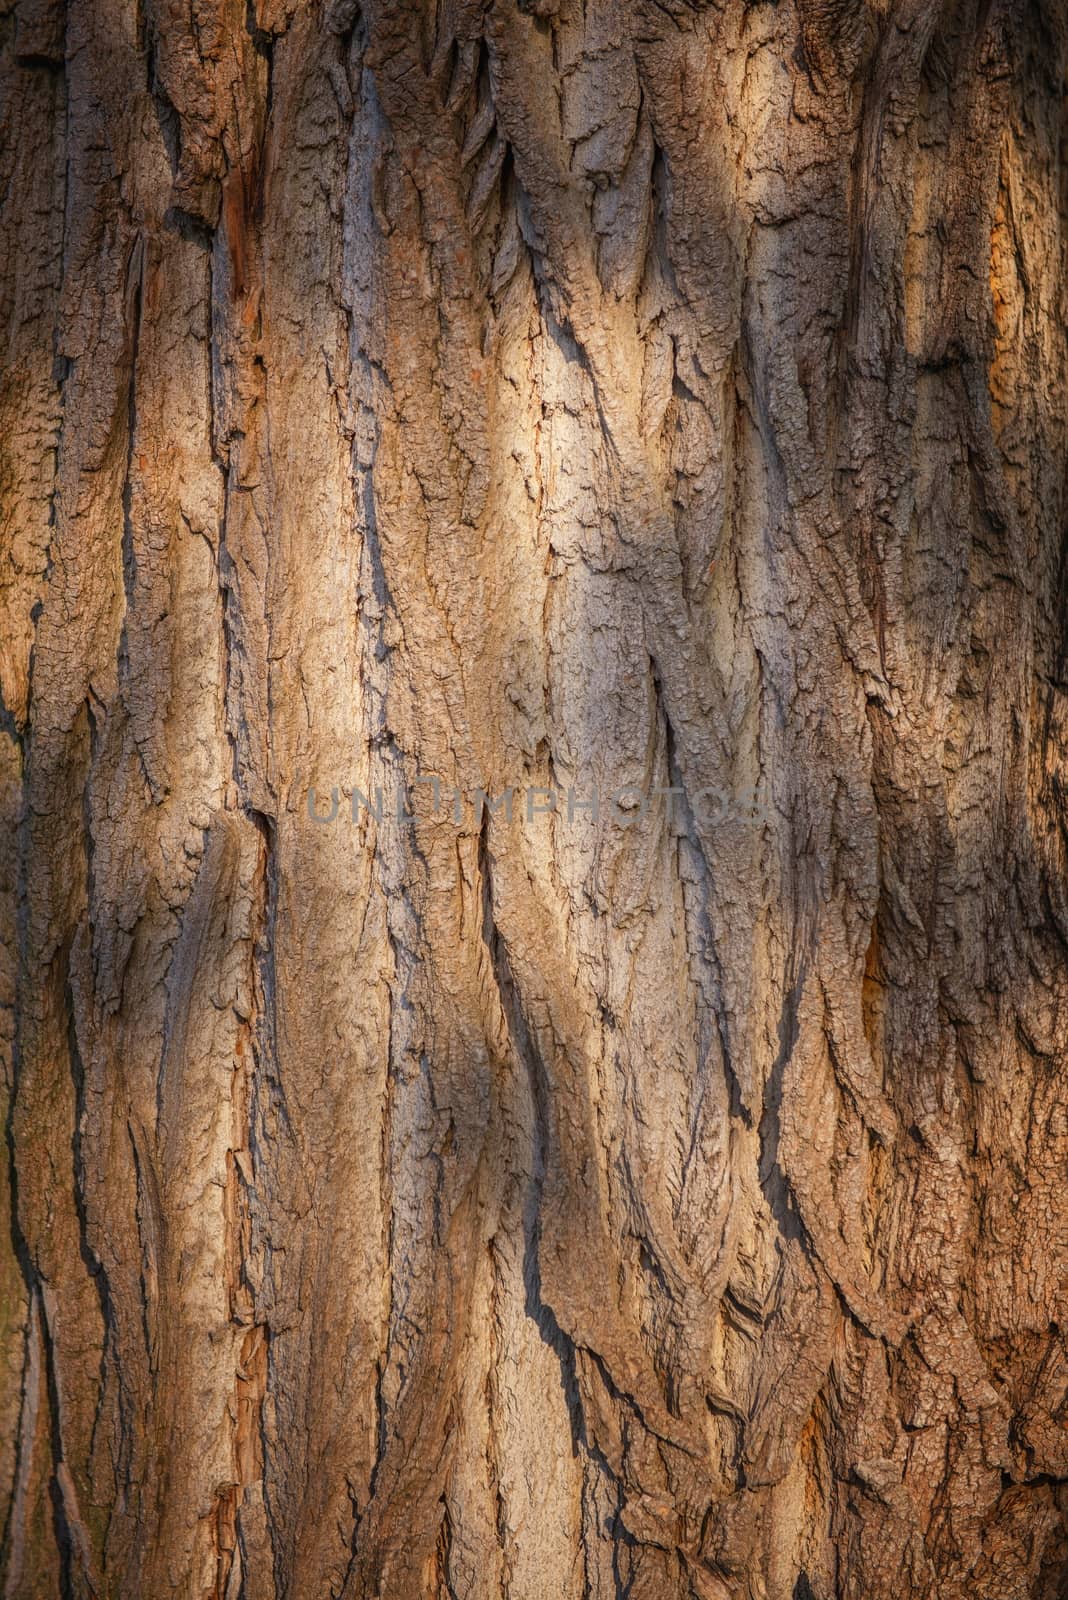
column 567, row 395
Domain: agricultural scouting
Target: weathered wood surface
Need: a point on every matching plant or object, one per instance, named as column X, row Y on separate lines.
column 589, row 393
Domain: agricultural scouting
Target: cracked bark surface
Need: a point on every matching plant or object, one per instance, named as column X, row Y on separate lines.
column 592, row 393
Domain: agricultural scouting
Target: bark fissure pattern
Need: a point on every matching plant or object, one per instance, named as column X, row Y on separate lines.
column 602, row 394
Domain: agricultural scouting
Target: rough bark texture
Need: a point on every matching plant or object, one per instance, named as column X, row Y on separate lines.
column 589, row 393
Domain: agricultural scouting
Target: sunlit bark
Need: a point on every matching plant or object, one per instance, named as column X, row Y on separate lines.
column 666, row 1202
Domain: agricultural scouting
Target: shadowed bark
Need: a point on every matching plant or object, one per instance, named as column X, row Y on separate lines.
column 644, row 399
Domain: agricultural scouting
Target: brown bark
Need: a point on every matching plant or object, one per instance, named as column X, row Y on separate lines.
column 576, row 394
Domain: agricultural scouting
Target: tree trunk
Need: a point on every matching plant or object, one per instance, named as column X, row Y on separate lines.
column 658, row 410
